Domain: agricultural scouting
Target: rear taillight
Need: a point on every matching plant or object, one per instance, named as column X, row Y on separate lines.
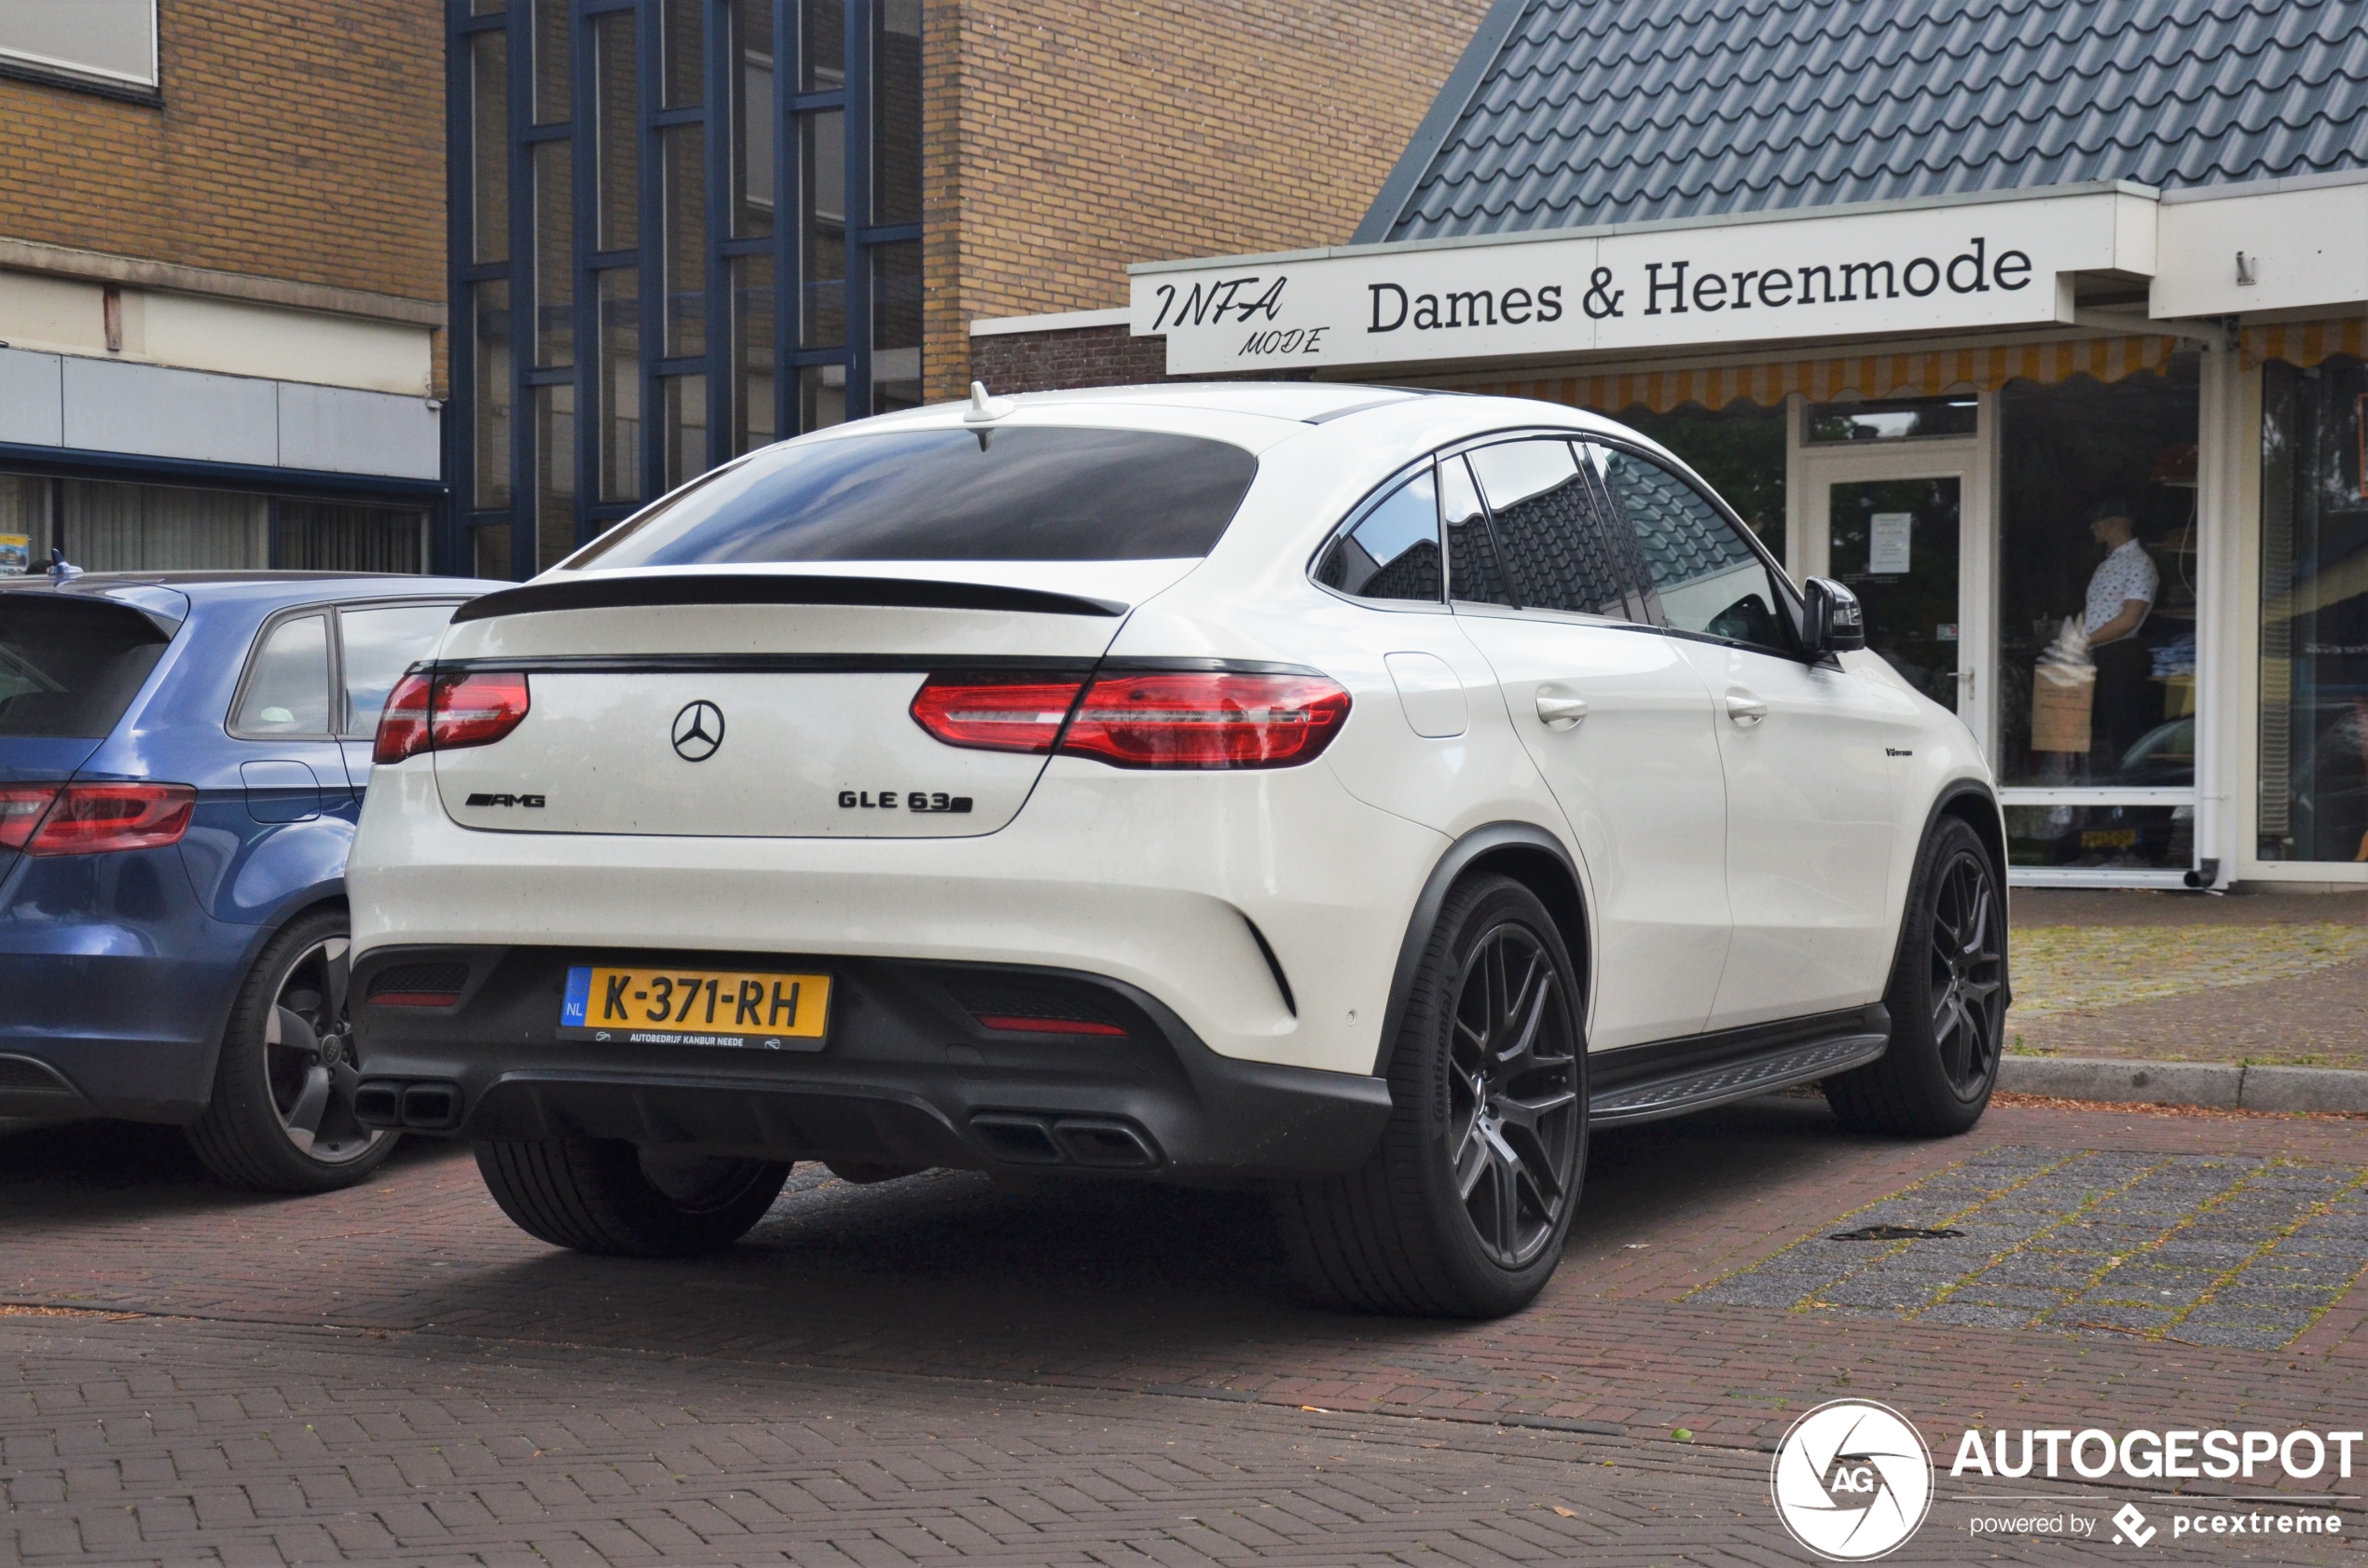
column 1206, row 720
column 21, row 808
column 988, row 714
column 100, row 819
column 403, row 723
column 446, row 712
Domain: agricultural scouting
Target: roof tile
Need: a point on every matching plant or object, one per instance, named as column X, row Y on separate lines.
column 1620, row 111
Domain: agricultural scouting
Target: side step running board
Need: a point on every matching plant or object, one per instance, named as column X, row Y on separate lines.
column 1677, row 1077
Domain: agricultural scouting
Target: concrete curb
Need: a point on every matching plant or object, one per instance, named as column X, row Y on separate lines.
column 2216, row 1085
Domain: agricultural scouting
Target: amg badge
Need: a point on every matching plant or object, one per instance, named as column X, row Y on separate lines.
column 532, row 802
column 912, row 800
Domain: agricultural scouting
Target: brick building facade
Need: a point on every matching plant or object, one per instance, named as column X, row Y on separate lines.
column 1068, row 139
column 221, row 283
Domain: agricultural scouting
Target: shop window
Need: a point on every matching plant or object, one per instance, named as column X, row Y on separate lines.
column 2114, row 837
column 105, row 41
column 341, row 536
column 111, row 526
column 2314, row 612
column 489, row 551
column 24, row 523
column 821, row 396
column 821, row 45
column 2097, row 514
column 822, row 240
column 1739, row 450
column 1897, row 419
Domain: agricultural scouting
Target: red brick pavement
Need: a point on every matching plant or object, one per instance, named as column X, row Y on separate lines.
column 918, row 1299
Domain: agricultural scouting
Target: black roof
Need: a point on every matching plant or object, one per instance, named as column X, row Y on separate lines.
column 1574, row 112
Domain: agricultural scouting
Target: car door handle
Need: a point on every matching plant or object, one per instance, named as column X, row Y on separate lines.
column 1560, row 713
column 1745, row 708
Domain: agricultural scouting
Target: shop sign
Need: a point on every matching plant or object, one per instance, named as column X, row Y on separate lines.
column 1966, row 265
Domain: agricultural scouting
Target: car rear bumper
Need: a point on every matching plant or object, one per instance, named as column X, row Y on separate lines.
column 113, row 1018
column 907, row 1076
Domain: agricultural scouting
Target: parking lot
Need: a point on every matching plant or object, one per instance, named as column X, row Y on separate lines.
column 936, row 1368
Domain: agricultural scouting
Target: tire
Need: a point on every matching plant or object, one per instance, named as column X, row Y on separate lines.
column 1425, row 1228
column 280, row 1118
column 603, row 1196
column 1947, row 999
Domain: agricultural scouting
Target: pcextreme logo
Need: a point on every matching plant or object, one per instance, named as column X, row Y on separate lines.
column 1851, row 1480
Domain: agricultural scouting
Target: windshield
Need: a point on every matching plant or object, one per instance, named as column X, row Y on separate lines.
column 1023, row 494
column 69, row 667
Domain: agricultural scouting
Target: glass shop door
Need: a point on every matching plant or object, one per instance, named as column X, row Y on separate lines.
column 1899, row 525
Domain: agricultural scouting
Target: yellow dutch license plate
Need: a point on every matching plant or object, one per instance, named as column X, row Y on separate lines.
column 643, row 1006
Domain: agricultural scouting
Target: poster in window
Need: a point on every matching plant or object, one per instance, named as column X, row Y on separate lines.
column 16, row 553
column 1887, row 552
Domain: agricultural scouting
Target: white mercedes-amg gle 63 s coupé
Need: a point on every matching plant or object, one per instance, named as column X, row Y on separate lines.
column 1351, row 793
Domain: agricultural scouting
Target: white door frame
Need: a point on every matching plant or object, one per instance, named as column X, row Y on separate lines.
column 1968, row 460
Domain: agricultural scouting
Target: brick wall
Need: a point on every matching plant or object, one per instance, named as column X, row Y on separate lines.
column 1067, row 138
column 296, row 140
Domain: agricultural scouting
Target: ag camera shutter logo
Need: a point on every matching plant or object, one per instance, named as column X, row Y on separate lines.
column 1851, row 1480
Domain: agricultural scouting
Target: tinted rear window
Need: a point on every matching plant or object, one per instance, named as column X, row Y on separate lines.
column 1027, row 494
column 70, row 667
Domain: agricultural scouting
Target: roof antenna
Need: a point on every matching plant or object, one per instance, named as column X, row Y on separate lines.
column 983, row 408
column 60, row 568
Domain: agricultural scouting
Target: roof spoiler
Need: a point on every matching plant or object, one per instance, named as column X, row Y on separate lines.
column 602, row 591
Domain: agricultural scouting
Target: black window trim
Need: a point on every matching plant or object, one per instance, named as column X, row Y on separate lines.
column 341, row 720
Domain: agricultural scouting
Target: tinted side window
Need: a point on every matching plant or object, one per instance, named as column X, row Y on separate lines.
column 1557, row 553
column 70, row 668
column 1473, row 573
column 1705, row 576
column 1393, row 551
column 287, row 684
column 381, row 643
column 1028, row 493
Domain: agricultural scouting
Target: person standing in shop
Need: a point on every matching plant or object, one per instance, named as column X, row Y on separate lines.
column 2121, row 591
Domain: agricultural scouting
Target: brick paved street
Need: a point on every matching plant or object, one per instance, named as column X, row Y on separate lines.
column 936, row 1368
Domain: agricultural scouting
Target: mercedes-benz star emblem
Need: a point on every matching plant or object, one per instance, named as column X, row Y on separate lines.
column 698, row 731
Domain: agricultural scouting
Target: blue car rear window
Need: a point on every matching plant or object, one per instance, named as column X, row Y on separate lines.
column 69, row 667
column 1022, row 494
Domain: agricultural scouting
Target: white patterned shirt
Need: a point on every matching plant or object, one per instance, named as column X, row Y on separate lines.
column 2126, row 574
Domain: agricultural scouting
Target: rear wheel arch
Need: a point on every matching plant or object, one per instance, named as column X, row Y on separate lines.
column 1527, row 854
column 1972, row 804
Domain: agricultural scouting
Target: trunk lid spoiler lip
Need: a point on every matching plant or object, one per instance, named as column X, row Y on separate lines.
column 602, row 592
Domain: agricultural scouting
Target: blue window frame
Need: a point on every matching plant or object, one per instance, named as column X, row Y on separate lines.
column 681, row 229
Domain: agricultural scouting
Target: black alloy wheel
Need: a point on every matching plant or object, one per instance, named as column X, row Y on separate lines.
column 1968, row 979
column 1463, row 1209
column 281, row 1115
column 1512, row 1095
column 1948, row 998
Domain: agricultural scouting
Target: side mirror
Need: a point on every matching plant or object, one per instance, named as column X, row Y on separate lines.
column 1837, row 622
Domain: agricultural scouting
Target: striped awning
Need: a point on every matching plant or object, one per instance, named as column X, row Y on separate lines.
column 1868, row 376
column 2303, row 342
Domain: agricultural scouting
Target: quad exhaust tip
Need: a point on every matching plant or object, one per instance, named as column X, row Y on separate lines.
column 418, row 1107
column 1104, row 1143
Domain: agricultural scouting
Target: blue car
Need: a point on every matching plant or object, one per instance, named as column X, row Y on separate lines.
column 182, row 757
